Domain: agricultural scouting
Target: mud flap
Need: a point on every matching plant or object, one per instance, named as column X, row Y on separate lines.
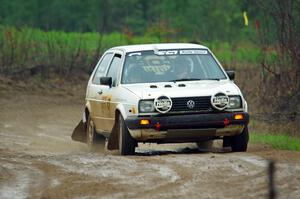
column 79, row 133
column 113, row 140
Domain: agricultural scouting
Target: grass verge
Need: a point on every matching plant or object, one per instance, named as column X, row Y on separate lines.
column 277, row 141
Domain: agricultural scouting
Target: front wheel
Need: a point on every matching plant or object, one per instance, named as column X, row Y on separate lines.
column 239, row 143
column 126, row 143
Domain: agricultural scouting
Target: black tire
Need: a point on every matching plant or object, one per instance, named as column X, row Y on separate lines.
column 95, row 141
column 205, row 145
column 126, row 143
column 239, row 143
column 226, row 142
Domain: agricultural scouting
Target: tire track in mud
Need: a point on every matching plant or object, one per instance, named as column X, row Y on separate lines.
column 207, row 175
column 200, row 175
column 20, row 176
column 125, row 172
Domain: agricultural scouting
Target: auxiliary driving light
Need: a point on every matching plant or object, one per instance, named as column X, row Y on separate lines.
column 238, row 116
column 144, row 122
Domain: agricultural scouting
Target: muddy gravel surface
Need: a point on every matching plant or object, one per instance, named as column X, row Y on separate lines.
column 38, row 159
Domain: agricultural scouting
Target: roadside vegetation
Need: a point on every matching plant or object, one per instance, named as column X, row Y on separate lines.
column 31, row 50
column 283, row 142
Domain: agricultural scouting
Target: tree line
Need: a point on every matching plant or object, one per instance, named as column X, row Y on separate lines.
column 203, row 20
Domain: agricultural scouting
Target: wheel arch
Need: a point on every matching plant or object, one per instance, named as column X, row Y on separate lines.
column 120, row 109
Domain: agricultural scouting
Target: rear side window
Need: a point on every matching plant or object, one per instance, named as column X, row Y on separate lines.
column 101, row 68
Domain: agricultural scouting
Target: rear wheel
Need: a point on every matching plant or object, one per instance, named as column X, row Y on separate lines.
column 238, row 143
column 94, row 141
column 126, row 143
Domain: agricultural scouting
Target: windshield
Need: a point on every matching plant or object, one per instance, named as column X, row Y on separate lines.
column 170, row 65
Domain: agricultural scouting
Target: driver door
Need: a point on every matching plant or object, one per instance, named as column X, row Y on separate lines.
column 97, row 93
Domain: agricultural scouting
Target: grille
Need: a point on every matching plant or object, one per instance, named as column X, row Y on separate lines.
column 201, row 104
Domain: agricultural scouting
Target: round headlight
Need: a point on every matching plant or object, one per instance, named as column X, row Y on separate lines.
column 146, row 106
column 234, row 102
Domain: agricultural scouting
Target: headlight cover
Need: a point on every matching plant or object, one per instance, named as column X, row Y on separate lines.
column 235, row 102
column 146, row 106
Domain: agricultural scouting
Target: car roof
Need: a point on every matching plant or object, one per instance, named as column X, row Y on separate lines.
column 160, row 46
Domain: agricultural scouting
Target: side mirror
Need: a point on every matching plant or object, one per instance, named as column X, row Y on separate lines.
column 231, row 74
column 106, row 81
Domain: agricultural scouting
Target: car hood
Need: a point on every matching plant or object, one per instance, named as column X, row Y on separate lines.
column 183, row 89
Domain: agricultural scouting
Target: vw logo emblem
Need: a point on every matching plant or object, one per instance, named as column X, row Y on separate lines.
column 190, row 104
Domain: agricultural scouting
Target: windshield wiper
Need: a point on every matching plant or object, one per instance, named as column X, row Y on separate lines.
column 184, row 79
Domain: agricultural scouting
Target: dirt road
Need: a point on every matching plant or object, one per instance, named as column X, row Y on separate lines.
column 38, row 159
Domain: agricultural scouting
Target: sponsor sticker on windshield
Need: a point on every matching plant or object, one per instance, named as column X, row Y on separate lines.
column 193, row 52
column 173, row 52
column 166, row 52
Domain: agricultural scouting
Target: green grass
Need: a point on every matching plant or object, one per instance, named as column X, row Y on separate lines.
column 26, row 48
column 277, row 141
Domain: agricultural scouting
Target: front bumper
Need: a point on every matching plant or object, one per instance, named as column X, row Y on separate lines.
column 186, row 128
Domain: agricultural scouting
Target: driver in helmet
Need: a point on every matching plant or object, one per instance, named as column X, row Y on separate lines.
column 181, row 68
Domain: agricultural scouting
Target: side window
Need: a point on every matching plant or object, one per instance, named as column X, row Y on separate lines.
column 113, row 69
column 102, row 66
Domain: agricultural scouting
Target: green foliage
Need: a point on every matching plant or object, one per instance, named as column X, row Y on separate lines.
column 62, row 52
column 277, row 141
column 202, row 20
column 56, row 51
column 240, row 52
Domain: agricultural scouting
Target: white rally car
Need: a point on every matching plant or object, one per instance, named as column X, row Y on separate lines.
column 162, row 93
